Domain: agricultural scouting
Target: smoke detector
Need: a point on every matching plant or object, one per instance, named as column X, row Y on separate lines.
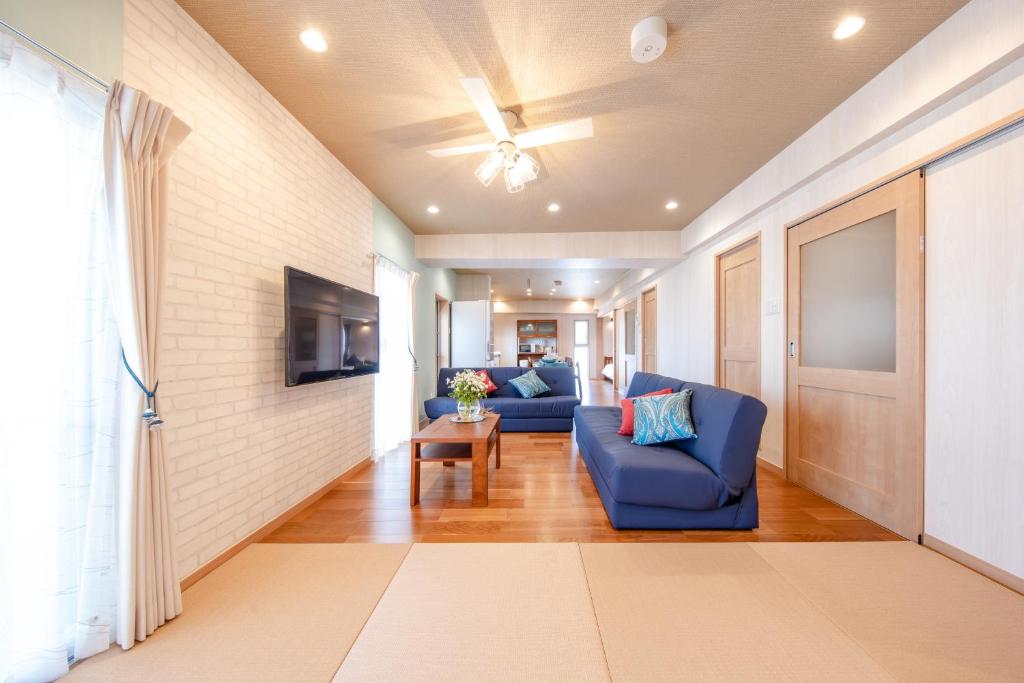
column 649, row 39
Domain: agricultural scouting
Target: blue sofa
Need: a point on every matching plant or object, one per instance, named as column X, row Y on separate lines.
column 703, row 483
column 551, row 411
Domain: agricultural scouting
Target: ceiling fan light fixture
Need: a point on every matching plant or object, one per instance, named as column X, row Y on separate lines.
column 491, row 167
column 520, row 168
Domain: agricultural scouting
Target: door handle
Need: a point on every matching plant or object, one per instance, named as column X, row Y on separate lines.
column 792, row 349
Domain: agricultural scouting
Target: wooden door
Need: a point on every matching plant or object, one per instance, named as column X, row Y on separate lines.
column 650, row 326
column 739, row 318
column 854, row 406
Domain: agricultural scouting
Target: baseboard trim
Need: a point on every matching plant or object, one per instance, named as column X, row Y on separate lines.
column 1011, row 581
column 772, row 466
column 270, row 526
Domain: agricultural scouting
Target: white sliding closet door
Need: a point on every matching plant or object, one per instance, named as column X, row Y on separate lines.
column 974, row 368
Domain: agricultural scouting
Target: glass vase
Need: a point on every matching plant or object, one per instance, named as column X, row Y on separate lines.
column 469, row 410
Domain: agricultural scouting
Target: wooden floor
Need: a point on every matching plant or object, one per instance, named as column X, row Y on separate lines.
column 541, row 493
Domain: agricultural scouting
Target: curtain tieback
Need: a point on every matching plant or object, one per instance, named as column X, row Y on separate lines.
column 149, row 415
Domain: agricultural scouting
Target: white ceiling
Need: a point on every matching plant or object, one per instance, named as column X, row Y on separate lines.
column 510, row 283
column 740, row 80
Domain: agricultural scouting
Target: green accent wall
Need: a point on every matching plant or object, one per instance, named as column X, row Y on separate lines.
column 89, row 33
column 393, row 240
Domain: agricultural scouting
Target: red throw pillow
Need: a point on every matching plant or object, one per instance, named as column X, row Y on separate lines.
column 627, row 411
column 491, row 386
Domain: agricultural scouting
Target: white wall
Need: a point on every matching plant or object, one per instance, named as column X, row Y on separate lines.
column 964, row 76
column 88, row 33
column 974, row 368
column 251, row 191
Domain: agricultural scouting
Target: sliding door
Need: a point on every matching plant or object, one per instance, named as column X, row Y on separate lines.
column 854, row 407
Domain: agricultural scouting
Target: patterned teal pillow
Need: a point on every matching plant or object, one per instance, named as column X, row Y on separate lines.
column 658, row 419
column 529, row 385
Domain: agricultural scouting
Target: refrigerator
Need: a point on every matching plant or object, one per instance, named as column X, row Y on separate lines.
column 472, row 334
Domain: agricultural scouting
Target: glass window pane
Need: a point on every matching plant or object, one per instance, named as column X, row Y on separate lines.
column 848, row 298
column 582, row 332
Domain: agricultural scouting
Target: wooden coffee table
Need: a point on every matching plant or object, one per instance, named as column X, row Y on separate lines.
column 451, row 442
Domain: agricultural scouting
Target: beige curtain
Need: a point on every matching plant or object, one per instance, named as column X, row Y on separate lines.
column 139, row 138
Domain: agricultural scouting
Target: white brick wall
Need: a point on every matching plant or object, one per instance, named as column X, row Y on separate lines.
column 251, row 191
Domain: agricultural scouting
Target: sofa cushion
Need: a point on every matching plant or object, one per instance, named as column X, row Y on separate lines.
column 486, row 377
column 529, row 385
column 626, row 428
column 645, row 475
column 516, row 408
column 663, row 418
column 645, row 382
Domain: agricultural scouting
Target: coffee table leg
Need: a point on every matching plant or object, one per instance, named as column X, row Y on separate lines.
column 497, row 446
column 480, row 453
column 414, row 474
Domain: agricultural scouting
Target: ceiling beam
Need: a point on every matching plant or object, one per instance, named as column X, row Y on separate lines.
column 639, row 249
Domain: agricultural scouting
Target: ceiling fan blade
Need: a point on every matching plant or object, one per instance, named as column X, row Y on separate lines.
column 484, row 103
column 462, row 149
column 560, row 132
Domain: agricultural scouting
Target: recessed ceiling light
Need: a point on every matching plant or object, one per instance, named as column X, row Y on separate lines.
column 597, row 282
column 313, row 39
column 672, row 205
column 553, row 207
column 848, row 27
column 433, row 209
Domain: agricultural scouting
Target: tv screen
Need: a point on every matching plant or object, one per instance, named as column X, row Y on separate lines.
column 331, row 330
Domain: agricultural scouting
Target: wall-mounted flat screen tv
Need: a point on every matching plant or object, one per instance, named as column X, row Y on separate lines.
column 331, row 330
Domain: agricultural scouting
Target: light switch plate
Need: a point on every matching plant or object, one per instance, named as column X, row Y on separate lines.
column 772, row 307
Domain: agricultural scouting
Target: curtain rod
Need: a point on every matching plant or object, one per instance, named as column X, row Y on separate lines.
column 77, row 70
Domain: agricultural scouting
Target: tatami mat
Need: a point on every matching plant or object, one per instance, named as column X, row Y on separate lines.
column 920, row 615
column 702, row 612
column 476, row 612
column 273, row 613
column 562, row 611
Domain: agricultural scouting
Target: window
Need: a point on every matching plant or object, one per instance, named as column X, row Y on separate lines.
column 581, row 346
column 60, row 355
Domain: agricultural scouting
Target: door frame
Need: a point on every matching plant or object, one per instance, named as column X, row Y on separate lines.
column 440, row 301
column 919, row 427
column 719, row 255
column 643, row 331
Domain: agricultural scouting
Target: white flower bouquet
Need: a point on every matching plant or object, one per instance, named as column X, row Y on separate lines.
column 467, row 386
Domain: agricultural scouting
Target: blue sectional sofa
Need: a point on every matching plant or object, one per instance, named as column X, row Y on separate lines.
column 551, row 411
column 703, row 483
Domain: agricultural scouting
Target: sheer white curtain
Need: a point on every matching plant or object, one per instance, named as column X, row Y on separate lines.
column 394, row 393
column 59, row 363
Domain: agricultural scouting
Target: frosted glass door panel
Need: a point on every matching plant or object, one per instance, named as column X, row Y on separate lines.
column 848, row 298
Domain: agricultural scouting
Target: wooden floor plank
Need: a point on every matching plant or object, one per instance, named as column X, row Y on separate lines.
column 542, row 493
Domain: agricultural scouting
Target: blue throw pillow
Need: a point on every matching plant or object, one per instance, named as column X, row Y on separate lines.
column 658, row 419
column 529, row 385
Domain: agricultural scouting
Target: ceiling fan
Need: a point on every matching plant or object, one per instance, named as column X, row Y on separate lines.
column 506, row 150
